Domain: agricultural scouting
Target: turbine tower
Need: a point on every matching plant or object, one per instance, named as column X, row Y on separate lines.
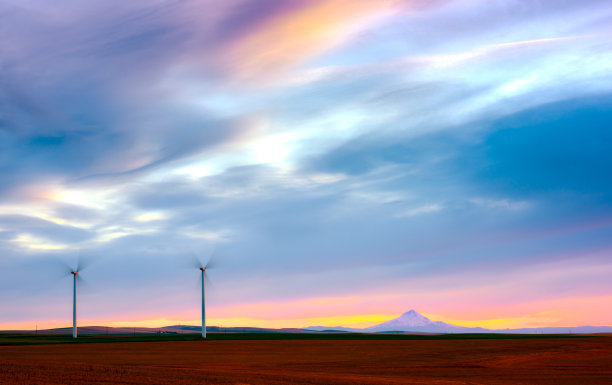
column 203, row 268
column 74, row 303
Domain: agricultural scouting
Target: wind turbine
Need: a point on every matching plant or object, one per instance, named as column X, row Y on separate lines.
column 76, row 277
column 203, row 267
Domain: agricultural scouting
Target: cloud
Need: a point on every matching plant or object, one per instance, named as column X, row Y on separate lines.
column 329, row 149
column 299, row 35
column 420, row 210
column 44, row 229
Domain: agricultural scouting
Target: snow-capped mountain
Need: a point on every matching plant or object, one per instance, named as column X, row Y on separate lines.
column 412, row 321
column 409, row 319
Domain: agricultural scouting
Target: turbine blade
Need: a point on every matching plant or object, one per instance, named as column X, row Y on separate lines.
column 83, row 285
column 213, row 259
column 55, row 267
column 196, row 261
column 209, row 283
column 190, row 260
column 198, row 282
column 83, row 261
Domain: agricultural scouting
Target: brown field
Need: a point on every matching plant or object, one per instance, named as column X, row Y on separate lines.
column 511, row 361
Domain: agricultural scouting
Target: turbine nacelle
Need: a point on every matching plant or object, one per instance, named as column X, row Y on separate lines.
column 74, row 272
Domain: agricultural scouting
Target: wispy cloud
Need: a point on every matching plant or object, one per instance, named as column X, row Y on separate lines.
column 403, row 152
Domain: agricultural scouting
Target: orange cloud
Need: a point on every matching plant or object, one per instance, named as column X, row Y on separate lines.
column 290, row 39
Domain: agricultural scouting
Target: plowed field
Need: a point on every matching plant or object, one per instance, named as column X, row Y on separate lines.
column 585, row 360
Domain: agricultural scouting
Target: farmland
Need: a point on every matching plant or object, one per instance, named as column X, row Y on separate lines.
column 309, row 359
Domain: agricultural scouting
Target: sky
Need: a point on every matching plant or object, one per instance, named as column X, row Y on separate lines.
column 344, row 161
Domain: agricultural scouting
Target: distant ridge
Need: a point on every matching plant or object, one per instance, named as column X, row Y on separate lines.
column 174, row 329
column 412, row 321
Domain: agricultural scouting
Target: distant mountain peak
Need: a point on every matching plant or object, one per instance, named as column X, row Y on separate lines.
column 412, row 312
column 409, row 319
column 413, row 317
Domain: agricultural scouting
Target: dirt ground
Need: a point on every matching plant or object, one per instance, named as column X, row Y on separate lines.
column 529, row 361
